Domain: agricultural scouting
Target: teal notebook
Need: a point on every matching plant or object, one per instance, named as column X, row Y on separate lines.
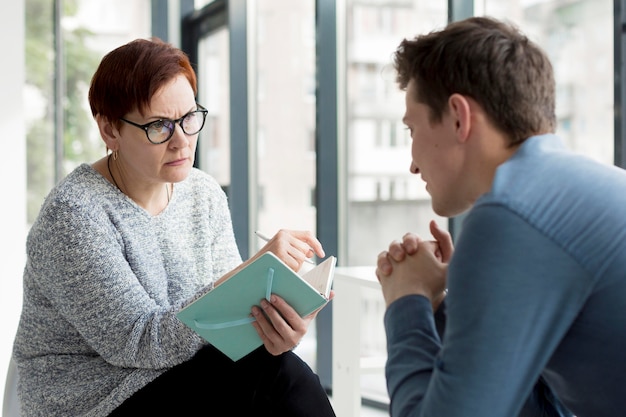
column 223, row 315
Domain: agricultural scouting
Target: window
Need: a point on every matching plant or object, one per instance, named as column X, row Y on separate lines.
column 214, row 145
column 286, row 58
column 383, row 199
column 61, row 132
column 578, row 38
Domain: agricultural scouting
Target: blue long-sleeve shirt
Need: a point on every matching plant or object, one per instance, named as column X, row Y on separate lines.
column 537, row 292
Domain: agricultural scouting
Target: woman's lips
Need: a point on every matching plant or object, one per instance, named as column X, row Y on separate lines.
column 177, row 162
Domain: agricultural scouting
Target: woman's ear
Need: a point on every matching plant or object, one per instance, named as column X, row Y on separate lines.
column 108, row 132
column 460, row 110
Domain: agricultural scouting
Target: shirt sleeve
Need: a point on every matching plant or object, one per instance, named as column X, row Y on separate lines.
column 512, row 294
column 542, row 402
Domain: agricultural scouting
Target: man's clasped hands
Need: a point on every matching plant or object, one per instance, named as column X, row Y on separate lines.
column 416, row 266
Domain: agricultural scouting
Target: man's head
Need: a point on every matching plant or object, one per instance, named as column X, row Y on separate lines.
column 492, row 63
column 474, row 92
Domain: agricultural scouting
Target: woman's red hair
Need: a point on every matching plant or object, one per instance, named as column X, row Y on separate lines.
column 129, row 76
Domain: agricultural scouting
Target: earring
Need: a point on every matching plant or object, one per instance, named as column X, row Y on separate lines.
column 115, row 155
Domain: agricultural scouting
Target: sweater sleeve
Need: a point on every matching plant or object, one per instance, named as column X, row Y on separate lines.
column 95, row 299
column 98, row 280
column 513, row 293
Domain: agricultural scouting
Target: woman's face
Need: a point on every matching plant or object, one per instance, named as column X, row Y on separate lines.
column 148, row 164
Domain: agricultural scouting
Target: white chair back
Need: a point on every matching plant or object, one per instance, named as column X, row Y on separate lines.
column 11, row 404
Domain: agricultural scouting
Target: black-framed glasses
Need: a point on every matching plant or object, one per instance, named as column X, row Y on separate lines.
column 162, row 130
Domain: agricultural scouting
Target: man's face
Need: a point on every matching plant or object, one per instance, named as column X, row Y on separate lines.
column 436, row 154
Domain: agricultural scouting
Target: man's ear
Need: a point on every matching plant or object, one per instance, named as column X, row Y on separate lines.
column 108, row 132
column 460, row 111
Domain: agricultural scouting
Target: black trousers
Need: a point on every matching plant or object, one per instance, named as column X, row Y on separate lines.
column 210, row 384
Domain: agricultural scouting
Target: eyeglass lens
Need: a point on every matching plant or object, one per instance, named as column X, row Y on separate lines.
column 161, row 130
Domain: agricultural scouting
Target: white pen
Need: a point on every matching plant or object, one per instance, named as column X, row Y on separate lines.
column 267, row 239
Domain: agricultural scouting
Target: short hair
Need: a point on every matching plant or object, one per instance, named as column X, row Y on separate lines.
column 129, row 76
column 490, row 61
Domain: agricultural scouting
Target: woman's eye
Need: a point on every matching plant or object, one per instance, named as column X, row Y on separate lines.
column 158, row 125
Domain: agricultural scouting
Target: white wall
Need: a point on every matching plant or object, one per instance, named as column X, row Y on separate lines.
column 13, row 177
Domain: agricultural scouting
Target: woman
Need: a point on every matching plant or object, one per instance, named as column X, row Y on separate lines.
column 122, row 245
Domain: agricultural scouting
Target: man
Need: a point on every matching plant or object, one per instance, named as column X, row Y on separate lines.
column 535, row 309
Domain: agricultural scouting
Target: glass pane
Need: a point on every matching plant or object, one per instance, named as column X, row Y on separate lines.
column 382, row 193
column 384, row 200
column 199, row 4
column 578, row 38
column 39, row 103
column 285, row 124
column 285, row 115
column 89, row 29
column 214, row 94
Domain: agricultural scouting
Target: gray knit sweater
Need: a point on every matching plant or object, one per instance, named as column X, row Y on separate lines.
column 102, row 283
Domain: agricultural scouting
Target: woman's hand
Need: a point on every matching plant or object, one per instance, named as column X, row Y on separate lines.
column 279, row 326
column 293, row 247
column 290, row 246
